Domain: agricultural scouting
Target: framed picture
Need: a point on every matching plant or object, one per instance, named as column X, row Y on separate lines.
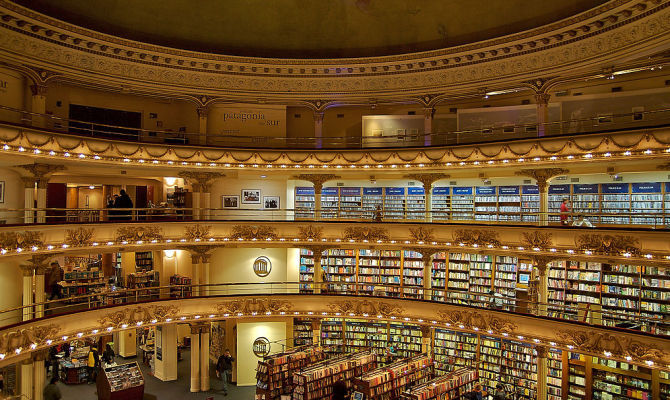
column 271, row 202
column 232, row 201
column 251, row 196
column 2, row 191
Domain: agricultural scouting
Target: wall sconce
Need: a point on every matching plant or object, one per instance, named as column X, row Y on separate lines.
column 170, row 181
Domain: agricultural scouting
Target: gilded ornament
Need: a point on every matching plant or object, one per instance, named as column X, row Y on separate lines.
column 386, row 310
column 257, row 305
column 80, row 237
column 137, row 233
column 480, row 320
column 132, row 315
column 421, row 234
column 24, row 337
column 317, row 180
column 480, row 237
column 198, row 232
column 15, row 240
column 542, row 175
column 200, row 181
column 537, row 239
column 310, row 232
column 250, row 232
column 619, row 345
column 608, row 244
column 369, row 233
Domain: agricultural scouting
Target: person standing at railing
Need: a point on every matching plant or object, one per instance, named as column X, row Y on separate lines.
column 581, row 221
column 55, row 277
column 566, row 211
column 124, row 201
column 378, row 213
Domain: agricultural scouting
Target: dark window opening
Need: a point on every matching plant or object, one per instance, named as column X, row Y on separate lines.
column 104, row 122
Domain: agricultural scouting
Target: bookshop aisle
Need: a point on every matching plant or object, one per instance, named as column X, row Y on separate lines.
column 157, row 389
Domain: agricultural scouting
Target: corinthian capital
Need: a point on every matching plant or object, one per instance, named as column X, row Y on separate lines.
column 542, row 175
column 200, row 181
column 317, row 180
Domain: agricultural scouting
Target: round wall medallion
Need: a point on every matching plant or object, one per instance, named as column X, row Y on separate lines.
column 262, row 266
column 261, row 347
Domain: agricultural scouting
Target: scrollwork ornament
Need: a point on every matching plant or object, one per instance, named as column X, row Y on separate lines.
column 608, row 244
column 198, row 232
column 421, row 234
column 24, row 337
column 362, row 233
column 481, row 237
column 310, row 232
column 144, row 314
column 537, row 239
column 251, row 232
column 361, row 307
column 139, row 233
column 80, row 237
column 254, row 305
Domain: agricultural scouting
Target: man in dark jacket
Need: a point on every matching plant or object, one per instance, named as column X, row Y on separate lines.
column 224, row 367
column 51, row 391
column 339, row 390
column 124, row 201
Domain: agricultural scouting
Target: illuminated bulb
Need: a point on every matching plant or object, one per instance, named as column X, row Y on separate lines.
column 536, row 340
column 5, row 147
column 109, row 329
column 570, row 157
column 153, row 321
column 2, row 356
column 110, row 243
column 168, row 319
column 18, row 351
column 82, row 156
column 64, row 337
column 520, row 337
column 490, row 332
column 126, row 160
column 124, row 326
column 648, row 152
column 505, row 334
column 553, row 158
column 49, row 341
column 570, row 346
column 183, row 318
column 96, row 157
column 22, row 149
column 211, row 315
column 607, row 354
column 80, row 334
column 33, row 346
column 37, row 151
column 588, row 155
column 629, row 358
column 649, row 256
column 94, row 331
column 649, row 363
column 52, row 153
column 198, row 316
column 626, row 153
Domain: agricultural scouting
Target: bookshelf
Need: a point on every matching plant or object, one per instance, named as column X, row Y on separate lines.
column 438, row 276
column 81, row 281
column 390, row 381
column 458, row 278
column 509, row 203
column 664, row 384
column 454, row 349
column 390, row 264
column 441, row 203
column 144, row 261
column 615, row 200
column 180, row 286
column 505, row 276
column 369, row 271
column 306, row 271
column 302, row 332
column 451, row 386
column 462, row 204
column 554, row 374
column 304, row 202
column 351, row 202
column 405, row 339
column 274, row 374
column 330, row 203
column 361, row 334
column 577, row 379
column 332, row 335
column 490, row 352
column 394, row 203
column 140, row 280
column 412, row 272
column 666, row 203
column 372, row 197
column 586, row 200
column 486, row 207
column 415, row 203
column 530, row 203
column 646, row 199
column 518, row 368
column 340, row 270
column 555, row 196
column 481, row 272
column 316, row 381
column 655, row 296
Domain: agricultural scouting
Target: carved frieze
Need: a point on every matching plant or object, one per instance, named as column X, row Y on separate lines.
column 137, row 233
column 22, row 338
column 370, row 307
column 132, row 315
column 369, row 233
column 308, row 232
column 481, row 237
column 608, row 244
column 422, row 234
column 254, row 305
column 80, row 237
column 198, row 232
column 619, row 345
column 478, row 319
column 317, row 180
column 25, row 240
column 251, row 232
column 537, row 239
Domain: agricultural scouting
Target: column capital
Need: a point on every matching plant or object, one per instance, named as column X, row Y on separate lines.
column 318, row 116
column 428, row 112
column 202, row 112
column 29, row 182
column 542, row 262
column 38, row 89
column 542, row 98
column 317, row 250
column 317, row 180
column 200, row 181
column 39, row 355
column 542, row 175
column 40, row 172
column 199, row 252
column 205, row 258
column 27, row 269
column 428, row 179
column 542, row 351
column 200, row 327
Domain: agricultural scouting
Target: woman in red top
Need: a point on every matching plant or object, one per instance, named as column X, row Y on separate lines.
column 565, row 212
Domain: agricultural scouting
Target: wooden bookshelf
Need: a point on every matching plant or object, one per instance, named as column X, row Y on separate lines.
column 451, row 386
column 274, row 374
column 316, row 381
column 180, row 286
column 144, row 261
column 390, row 381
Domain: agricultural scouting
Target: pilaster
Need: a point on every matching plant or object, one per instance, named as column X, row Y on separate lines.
column 542, row 102
column 428, row 114
column 317, row 180
column 318, row 128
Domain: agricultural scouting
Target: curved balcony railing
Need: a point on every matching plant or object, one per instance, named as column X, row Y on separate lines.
column 500, row 132
column 644, row 219
column 653, row 323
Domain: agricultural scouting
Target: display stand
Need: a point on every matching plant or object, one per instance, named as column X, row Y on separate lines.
column 274, row 374
column 452, row 386
column 390, row 381
column 121, row 382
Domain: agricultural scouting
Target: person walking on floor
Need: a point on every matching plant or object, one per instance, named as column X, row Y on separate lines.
column 499, row 393
column 51, row 391
column 224, row 367
column 93, row 364
column 55, row 277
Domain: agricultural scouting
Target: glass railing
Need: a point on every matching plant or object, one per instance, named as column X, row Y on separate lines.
column 21, row 216
column 652, row 323
column 499, row 132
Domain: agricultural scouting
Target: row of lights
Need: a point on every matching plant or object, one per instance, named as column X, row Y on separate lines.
column 552, row 250
column 434, row 323
column 587, row 156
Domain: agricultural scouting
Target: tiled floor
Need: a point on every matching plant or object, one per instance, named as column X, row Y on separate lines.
column 175, row 390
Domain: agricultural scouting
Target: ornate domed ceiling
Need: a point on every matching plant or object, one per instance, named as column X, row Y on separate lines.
column 310, row 28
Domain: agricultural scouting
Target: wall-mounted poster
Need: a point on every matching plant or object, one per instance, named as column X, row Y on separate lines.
column 251, row 196
column 230, row 201
column 271, row 202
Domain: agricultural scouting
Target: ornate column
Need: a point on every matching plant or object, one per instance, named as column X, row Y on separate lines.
column 39, row 104
column 27, row 290
column 29, row 199
column 317, row 251
column 195, row 358
column 40, row 295
column 317, row 180
column 202, row 125
column 426, row 339
column 204, row 357
column 318, row 128
column 427, row 258
column 202, row 186
column 204, row 262
column 542, row 101
column 26, row 377
column 40, row 173
column 541, row 264
column 39, row 374
column 195, row 273
column 428, row 114
column 541, row 371
column 427, row 181
column 542, row 176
